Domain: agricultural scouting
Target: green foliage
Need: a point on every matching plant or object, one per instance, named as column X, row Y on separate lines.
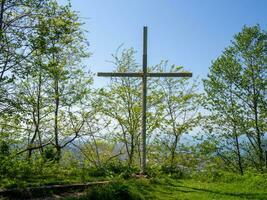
column 52, row 104
column 49, row 154
column 255, row 180
column 16, row 27
column 250, row 179
column 121, row 104
column 55, row 82
column 21, row 172
column 174, row 171
column 4, row 149
column 129, row 172
column 113, row 169
column 236, row 99
column 114, row 191
column 98, row 172
column 116, row 167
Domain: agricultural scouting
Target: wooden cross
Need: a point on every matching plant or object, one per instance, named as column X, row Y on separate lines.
column 144, row 74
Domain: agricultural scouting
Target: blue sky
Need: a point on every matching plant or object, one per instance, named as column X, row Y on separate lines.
column 190, row 33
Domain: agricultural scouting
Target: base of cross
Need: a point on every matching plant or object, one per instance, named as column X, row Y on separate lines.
column 139, row 175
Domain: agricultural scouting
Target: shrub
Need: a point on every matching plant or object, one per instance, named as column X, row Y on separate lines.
column 116, row 167
column 49, row 154
column 97, row 172
column 4, row 149
column 255, row 180
column 113, row 191
column 176, row 172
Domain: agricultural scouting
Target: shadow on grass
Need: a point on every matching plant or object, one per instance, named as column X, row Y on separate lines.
column 233, row 194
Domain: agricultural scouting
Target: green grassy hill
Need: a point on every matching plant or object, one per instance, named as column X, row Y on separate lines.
column 170, row 189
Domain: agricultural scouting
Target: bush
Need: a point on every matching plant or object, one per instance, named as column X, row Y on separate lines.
column 49, row 154
column 116, row 167
column 176, row 172
column 128, row 172
column 154, row 171
column 113, row 191
column 4, row 149
column 252, row 179
column 97, row 172
column 255, row 180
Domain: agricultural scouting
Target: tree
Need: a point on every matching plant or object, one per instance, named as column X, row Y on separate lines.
column 236, row 93
column 181, row 105
column 61, row 44
column 225, row 108
column 17, row 20
column 121, row 102
column 35, row 107
column 54, row 91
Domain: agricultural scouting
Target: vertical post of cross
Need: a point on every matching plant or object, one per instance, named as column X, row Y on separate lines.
column 144, row 83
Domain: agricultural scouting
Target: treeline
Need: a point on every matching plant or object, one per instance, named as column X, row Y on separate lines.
column 48, row 105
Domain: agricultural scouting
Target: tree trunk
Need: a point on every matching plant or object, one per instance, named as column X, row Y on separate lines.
column 256, row 115
column 174, row 146
column 58, row 148
column 2, row 16
column 39, row 110
column 238, row 154
column 1, row 35
column 34, row 135
column 131, row 156
column 36, row 118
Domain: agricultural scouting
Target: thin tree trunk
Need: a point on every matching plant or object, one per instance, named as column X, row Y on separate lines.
column 39, row 110
column 174, row 146
column 131, row 152
column 58, row 148
column 139, row 153
column 98, row 162
column 34, row 135
column 2, row 16
column 1, row 35
column 36, row 118
column 260, row 151
column 256, row 115
column 238, row 153
column 235, row 124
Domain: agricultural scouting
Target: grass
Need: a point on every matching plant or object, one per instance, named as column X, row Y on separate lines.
column 193, row 189
column 169, row 189
column 50, row 178
column 219, row 185
column 163, row 188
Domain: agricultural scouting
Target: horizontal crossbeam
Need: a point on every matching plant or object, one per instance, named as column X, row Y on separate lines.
column 120, row 74
column 170, row 74
column 138, row 74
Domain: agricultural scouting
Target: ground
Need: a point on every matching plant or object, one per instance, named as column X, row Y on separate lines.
column 189, row 189
column 166, row 188
column 192, row 189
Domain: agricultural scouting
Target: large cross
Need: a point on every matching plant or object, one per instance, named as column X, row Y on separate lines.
column 144, row 74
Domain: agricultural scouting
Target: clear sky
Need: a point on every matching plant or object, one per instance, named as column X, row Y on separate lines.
column 190, row 33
